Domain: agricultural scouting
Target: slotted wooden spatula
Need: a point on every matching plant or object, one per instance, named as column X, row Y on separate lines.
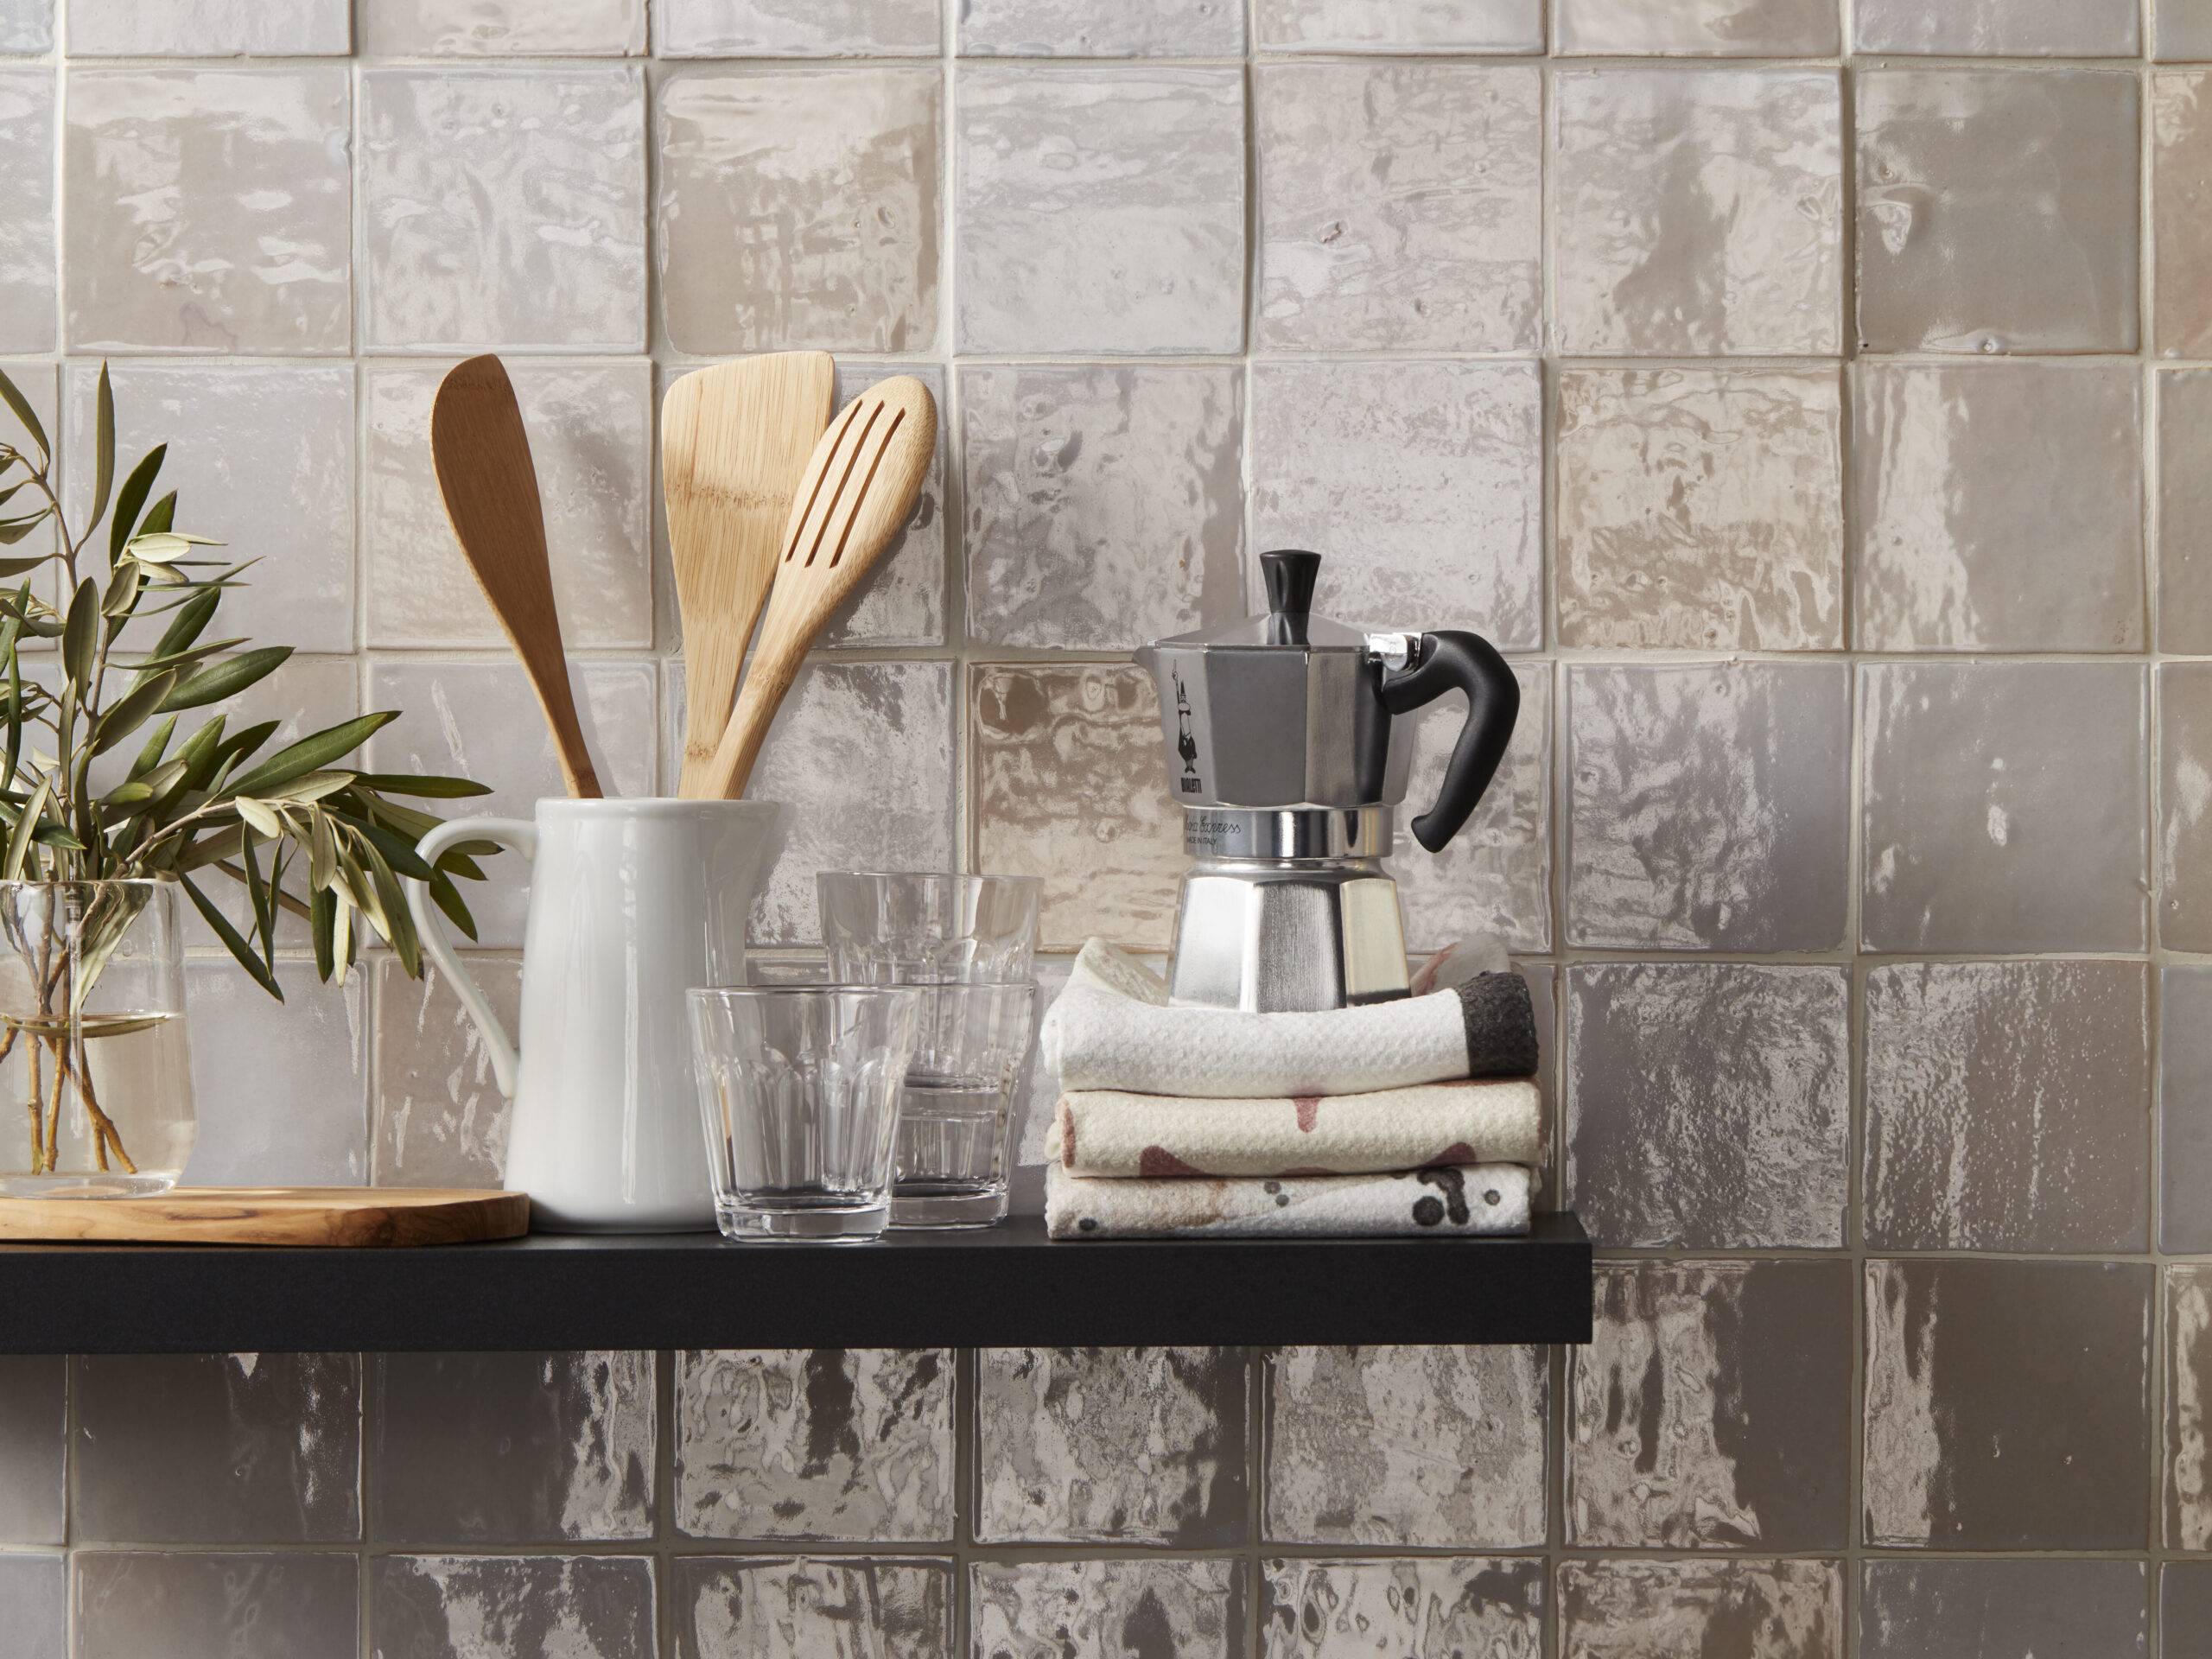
column 859, row 489
column 490, row 487
column 735, row 442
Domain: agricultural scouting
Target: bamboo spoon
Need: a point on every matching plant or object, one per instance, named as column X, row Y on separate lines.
column 490, row 487
column 735, row 442
column 859, row 489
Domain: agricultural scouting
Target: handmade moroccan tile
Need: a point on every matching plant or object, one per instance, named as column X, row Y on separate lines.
column 529, row 1606
column 35, row 1602
column 2184, row 804
column 591, row 426
column 832, row 1443
column 439, row 1117
column 208, row 29
column 1430, row 1447
column 795, row 28
column 26, row 26
column 504, row 207
column 846, row 1608
column 798, row 207
column 2188, row 1483
column 29, row 280
column 1997, row 210
column 1121, row 1446
column 1149, row 1607
column 1701, row 509
column 475, row 28
column 2184, row 570
column 1628, row 1609
column 903, row 600
column 258, row 1604
column 1697, row 212
column 1493, row 1606
column 1715, row 28
column 1998, row 507
column 1708, row 806
column 1068, row 770
column 310, row 1050
column 2003, row 807
column 1101, row 209
column 2181, row 196
column 2185, row 1606
column 216, row 1449
column 503, row 1448
column 1420, row 483
column 1105, row 506
column 2001, row 29
column 2008, row 1404
column 2007, row 1106
column 1433, row 26
column 2184, row 29
column 1713, row 1408
column 1708, row 1104
column 34, row 1447
column 1494, row 875
column 1400, row 206
column 209, row 210
column 2185, row 1109
column 1941, row 1610
column 1101, row 28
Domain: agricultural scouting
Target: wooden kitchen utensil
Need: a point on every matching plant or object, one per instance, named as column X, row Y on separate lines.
column 734, row 441
column 273, row 1215
column 859, row 488
column 482, row 455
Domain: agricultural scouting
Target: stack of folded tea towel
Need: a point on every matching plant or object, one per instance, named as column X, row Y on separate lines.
column 1416, row 1116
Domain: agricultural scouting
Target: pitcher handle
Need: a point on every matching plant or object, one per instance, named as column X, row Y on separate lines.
column 431, row 924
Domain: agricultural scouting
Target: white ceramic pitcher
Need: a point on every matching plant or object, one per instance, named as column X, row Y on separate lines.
column 632, row 903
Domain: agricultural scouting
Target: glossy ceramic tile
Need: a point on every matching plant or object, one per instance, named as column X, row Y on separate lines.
column 795, row 28
column 1629, row 1609
column 798, row 207
column 234, row 1605
column 1997, row 210
column 2003, row 807
column 1709, row 1105
column 2181, row 192
column 2185, row 1108
column 29, row 281
column 1429, row 1447
column 1400, row 206
column 2185, row 1606
column 35, row 1602
column 2184, row 29
column 513, row 1607
column 1066, row 765
column 2007, row 1106
column 2001, row 29
column 208, row 29
column 833, row 1443
column 1101, row 209
column 2007, row 1404
column 216, row 1449
column 1708, row 806
column 1120, row 1446
column 310, row 1050
column 2184, row 561
column 26, row 26
column 1420, row 483
column 1701, row 509
column 1160, row 1607
column 33, row 1446
column 1312, row 1608
column 1697, row 212
column 846, row 1608
column 1101, row 28
column 503, row 208
column 439, row 1117
column 2188, row 1484
column 209, row 210
column 1431, row 26
column 474, row 28
column 1105, row 506
column 1713, row 1408
column 1716, row 28
column 590, row 428
column 1938, row 1609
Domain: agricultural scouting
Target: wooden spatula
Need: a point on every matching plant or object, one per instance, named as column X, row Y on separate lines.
column 859, row 489
column 482, row 455
column 734, row 441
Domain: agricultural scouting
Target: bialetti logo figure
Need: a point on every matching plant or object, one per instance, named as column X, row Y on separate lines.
column 1186, row 744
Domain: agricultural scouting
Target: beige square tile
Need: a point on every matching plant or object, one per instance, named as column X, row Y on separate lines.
column 29, row 280
column 796, row 28
column 1403, row 26
column 437, row 1118
column 2185, row 509
column 208, row 29
column 1495, row 876
column 1998, row 507
column 1713, row 29
column 1102, row 28
column 1466, row 1605
column 1997, row 210
column 1101, row 209
column 724, row 1608
column 590, row 427
column 2181, row 208
column 1940, row 1605
column 504, row 207
column 209, row 210
column 310, row 1051
column 1069, row 784
column 1177, row 1607
column 26, row 26
column 1625, row 1608
column 602, row 1605
column 2001, row 29
column 1400, row 206
column 474, row 28
column 1697, row 212
column 1420, row 483
column 235, row 1604
column 2186, row 805
column 2184, row 29
column 1701, row 509
column 1105, row 506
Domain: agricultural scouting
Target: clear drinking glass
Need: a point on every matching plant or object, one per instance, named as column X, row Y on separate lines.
column 799, row 1089
column 896, row 927
column 955, row 1115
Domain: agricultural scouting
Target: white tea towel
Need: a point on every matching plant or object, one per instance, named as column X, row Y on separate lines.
column 1109, row 1132
column 1484, row 1198
column 1112, row 1028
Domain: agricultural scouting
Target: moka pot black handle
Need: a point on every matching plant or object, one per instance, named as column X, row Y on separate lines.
column 1453, row 661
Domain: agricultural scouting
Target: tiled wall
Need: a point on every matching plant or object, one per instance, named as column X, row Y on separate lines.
column 1817, row 408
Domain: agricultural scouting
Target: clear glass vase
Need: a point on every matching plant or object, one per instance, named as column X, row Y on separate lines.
column 93, row 1054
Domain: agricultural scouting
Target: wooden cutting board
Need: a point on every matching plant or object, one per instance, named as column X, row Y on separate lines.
column 273, row 1215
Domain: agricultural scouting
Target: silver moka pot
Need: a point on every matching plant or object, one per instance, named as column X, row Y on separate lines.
column 1286, row 754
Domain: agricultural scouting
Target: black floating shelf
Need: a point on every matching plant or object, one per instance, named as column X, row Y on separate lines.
column 1004, row 1288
